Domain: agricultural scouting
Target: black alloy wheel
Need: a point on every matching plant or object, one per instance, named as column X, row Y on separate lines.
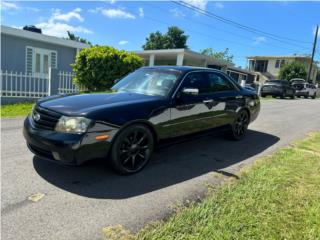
column 132, row 149
column 240, row 126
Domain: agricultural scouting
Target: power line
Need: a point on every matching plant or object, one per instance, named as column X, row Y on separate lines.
column 238, row 25
column 225, row 40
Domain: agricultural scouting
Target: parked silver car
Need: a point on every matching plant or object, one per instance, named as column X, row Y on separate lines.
column 306, row 90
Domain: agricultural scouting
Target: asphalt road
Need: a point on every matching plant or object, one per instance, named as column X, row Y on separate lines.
column 80, row 201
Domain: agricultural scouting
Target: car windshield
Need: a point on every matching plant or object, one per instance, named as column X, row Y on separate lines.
column 149, row 81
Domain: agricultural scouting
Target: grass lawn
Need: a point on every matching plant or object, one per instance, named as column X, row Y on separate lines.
column 276, row 198
column 16, row 110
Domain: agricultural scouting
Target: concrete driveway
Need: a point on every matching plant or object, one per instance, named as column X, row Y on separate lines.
column 80, row 201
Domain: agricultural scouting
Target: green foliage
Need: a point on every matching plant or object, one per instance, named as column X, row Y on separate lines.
column 293, row 70
column 173, row 39
column 224, row 55
column 73, row 37
column 97, row 67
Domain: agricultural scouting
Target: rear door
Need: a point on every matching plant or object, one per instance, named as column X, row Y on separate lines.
column 226, row 97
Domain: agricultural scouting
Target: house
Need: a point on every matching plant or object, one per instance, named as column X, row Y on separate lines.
column 181, row 57
column 34, row 65
column 268, row 67
column 33, row 52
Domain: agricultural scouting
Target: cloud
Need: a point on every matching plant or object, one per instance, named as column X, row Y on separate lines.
column 8, row 5
column 141, row 12
column 60, row 29
column 218, row 5
column 117, row 13
column 57, row 26
column 123, row 42
column 177, row 13
column 33, row 9
column 202, row 4
column 74, row 14
column 258, row 40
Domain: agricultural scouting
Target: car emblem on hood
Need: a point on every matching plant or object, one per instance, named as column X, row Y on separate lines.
column 36, row 116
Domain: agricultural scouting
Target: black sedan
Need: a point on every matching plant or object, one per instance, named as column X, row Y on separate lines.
column 146, row 106
column 278, row 88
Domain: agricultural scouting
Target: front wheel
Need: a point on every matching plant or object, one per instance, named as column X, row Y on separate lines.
column 240, row 126
column 132, row 149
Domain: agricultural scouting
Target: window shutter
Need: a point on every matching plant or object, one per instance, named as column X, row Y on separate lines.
column 54, row 59
column 29, row 59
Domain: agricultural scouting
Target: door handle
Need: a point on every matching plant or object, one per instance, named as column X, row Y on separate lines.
column 208, row 101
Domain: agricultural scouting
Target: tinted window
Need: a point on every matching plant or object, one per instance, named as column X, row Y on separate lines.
column 219, row 83
column 197, row 80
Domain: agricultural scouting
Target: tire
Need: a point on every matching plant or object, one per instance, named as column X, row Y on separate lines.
column 262, row 95
column 283, row 95
column 239, row 128
column 132, row 149
column 314, row 96
column 292, row 96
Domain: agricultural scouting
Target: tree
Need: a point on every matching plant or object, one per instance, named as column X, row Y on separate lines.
column 73, row 37
column 173, row 39
column 97, row 67
column 293, row 70
column 224, row 55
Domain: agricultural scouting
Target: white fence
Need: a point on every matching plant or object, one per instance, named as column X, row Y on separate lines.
column 66, row 83
column 35, row 85
column 26, row 85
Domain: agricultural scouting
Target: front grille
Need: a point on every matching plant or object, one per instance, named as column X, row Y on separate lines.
column 44, row 118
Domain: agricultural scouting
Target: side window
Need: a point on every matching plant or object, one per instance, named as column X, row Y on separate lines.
column 197, row 80
column 219, row 83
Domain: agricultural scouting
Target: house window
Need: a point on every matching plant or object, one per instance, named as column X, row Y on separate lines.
column 277, row 63
column 39, row 60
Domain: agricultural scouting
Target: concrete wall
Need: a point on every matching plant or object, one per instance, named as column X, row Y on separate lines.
column 13, row 53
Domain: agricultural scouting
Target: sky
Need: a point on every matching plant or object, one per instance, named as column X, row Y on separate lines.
column 126, row 24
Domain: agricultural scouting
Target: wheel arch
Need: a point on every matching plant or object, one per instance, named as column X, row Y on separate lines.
column 146, row 123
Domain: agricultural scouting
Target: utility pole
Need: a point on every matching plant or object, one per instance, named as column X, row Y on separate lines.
column 313, row 50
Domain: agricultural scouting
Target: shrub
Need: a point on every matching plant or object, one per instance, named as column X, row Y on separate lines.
column 97, row 67
column 293, row 70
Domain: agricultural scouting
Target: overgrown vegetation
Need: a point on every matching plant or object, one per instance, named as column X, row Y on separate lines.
column 97, row 67
column 173, row 39
column 16, row 110
column 73, row 37
column 277, row 198
column 293, row 70
column 223, row 55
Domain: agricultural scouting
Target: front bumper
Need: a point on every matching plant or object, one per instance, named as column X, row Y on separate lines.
column 66, row 148
column 302, row 93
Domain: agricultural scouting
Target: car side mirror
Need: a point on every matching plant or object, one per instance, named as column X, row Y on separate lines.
column 190, row 91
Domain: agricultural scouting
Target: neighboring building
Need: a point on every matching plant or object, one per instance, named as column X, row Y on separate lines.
column 268, row 67
column 185, row 57
column 31, row 52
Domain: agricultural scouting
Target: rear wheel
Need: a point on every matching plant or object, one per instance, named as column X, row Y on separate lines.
column 314, row 96
column 240, row 126
column 132, row 149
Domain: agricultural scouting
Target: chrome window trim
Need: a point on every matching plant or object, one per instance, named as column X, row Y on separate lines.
column 206, row 71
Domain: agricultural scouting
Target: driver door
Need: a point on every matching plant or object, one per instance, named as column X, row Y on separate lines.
column 191, row 113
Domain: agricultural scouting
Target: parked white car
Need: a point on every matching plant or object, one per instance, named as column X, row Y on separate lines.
column 306, row 90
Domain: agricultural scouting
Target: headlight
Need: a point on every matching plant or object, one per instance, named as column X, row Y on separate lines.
column 72, row 124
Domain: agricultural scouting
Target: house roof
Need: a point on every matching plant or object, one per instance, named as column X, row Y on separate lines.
column 280, row 57
column 42, row 38
column 187, row 52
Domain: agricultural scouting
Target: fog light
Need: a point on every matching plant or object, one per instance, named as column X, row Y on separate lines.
column 56, row 156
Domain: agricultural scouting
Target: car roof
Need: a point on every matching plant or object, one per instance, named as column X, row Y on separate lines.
column 182, row 68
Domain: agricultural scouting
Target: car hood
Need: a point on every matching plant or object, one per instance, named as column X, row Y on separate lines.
column 82, row 104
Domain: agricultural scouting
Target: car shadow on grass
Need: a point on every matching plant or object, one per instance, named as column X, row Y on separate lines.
column 171, row 164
